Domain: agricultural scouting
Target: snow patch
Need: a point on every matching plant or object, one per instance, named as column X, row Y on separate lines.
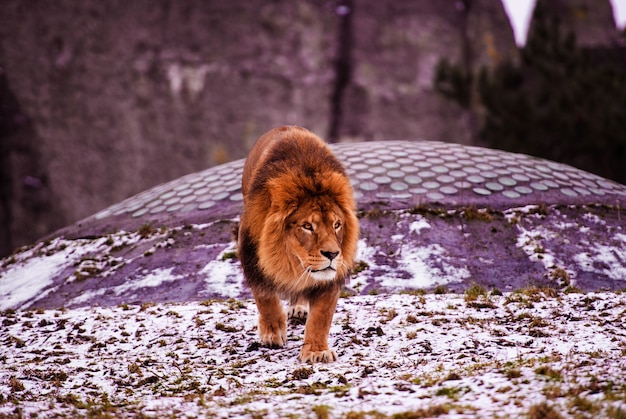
column 593, row 218
column 531, row 242
column 153, row 279
column 512, row 214
column 420, row 263
column 223, row 276
column 605, row 260
column 26, row 281
column 365, row 253
column 172, row 360
column 418, row 225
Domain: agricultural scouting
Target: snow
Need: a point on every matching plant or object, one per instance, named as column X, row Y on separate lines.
column 152, row 279
column 223, row 277
column 607, row 260
column 593, row 218
column 411, row 355
column 531, row 242
column 427, row 265
column 418, row 262
column 421, row 355
column 29, row 277
column 365, row 252
column 27, row 281
column 418, row 225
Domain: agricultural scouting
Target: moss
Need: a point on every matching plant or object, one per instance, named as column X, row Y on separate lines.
column 346, row 293
column 440, row 290
column 616, row 412
column 71, row 399
column 583, row 404
column 474, row 291
column 476, row 297
column 234, row 304
column 572, row 289
column 321, row 411
column 312, row 389
column 15, row 384
column 365, row 415
column 453, row 376
column 225, row 328
column 373, row 213
column 548, row 372
column 229, row 256
column 512, row 373
column 560, row 276
column 473, row 214
column 389, row 315
column 302, row 373
column 430, row 210
column 447, row 391
column 146, row 231
column 146, row 306
column 417, row 291
column 273, row 383
column 9, row 261
column 529, row 295
column 360, row 266
column 543, row 411
column 427, row 412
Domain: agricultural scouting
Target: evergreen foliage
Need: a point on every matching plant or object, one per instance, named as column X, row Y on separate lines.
column 561, row 102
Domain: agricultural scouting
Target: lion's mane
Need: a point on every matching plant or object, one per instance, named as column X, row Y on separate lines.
column 288, row 167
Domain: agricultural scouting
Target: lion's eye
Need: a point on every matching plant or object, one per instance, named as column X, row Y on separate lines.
column 307, row 226
column 337, row 225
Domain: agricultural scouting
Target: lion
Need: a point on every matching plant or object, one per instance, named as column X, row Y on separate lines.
column 297, row 236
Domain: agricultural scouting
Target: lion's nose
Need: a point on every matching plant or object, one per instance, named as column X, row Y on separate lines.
column 329, row 255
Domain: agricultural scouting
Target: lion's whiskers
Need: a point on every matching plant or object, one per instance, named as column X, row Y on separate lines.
column 307, row 272
column 342, row 264
column 301, row 262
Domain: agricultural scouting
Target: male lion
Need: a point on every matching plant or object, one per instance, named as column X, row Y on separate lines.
column 298, row 235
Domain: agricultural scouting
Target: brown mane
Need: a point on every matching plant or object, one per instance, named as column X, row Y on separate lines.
column 295, row 166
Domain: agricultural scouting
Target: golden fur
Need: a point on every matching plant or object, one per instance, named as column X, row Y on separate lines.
column 298, row 235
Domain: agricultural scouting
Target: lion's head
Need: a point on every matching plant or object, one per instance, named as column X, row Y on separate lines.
column 311, row 231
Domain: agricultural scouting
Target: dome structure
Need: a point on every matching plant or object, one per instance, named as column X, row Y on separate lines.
column 431, row 213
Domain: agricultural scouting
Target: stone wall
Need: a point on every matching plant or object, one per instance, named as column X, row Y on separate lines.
column 590, row 20
column 117, row 96
column 397, row 48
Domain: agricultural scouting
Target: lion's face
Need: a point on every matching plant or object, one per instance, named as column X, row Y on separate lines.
column 309, row 239
column 314, row 235
column 299, row 229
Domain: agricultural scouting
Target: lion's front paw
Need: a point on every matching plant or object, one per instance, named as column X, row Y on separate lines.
column 273, row 334
column 298, row 311
column 325, row 355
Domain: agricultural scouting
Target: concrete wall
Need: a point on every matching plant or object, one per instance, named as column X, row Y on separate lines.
column 112, row 97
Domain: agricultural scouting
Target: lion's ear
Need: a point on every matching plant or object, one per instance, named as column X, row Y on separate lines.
column 282, row 200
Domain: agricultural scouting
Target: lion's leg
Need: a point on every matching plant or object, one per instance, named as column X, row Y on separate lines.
column 322, row 309
column 298, row 308
column 272, row 320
